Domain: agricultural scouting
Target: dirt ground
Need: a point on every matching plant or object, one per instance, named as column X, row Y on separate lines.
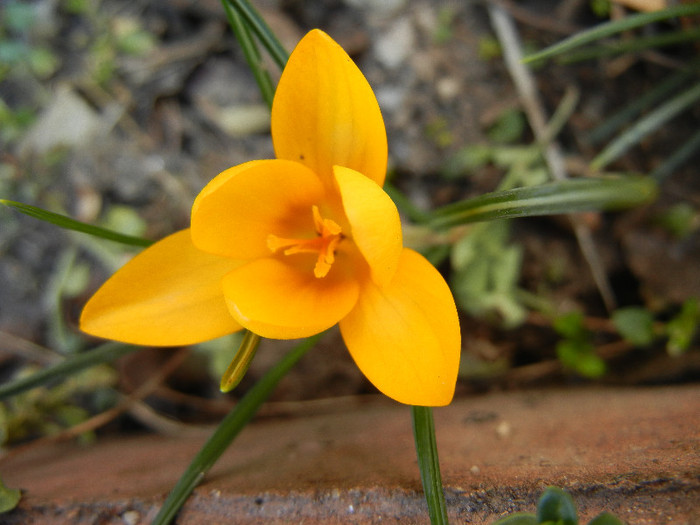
column 144, row 102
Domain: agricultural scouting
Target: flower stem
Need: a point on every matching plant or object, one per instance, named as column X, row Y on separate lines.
column 429, row 464
column 227, row 430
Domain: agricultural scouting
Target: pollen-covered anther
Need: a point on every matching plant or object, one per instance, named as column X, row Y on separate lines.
column 328, row 235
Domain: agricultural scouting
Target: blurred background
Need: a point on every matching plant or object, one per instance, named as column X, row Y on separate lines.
column 117, row 112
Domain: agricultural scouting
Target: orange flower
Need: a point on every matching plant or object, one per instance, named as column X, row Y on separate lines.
column 292, row 246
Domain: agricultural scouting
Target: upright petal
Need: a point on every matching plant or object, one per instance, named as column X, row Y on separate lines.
column 405, row 337
column 374, row 222
column 284, row 301
column 234, row 214
column 168, row 295
column 325, row 113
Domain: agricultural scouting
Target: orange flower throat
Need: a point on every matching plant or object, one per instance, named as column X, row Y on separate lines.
column 328, row 235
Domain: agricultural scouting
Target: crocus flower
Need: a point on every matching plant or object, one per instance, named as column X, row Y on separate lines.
column 291, row 246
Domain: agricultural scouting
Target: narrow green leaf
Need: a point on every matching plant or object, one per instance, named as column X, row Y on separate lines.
column 654, row 96
column 227, row 430
column 556, row 506
column 679, row 157
column 611, row 28
column 240, row 362
column 646, row 125
column 9, row 498
column 60, row 371
column 635, row 45
column 71, row 224
column 560, row 197
column 429, row 463
column 251, row 52
column 266, row 36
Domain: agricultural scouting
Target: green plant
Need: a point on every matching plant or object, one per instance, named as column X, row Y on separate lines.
column 556, row 507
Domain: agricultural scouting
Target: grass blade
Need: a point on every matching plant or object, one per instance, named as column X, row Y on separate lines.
column 251, row 52
column 689, row 148
column 266, row 36
column 429, row 463
column 227, row 430
column 72, row 224
column 635, row 45
column 638, row 105
column 646, row 125
column 611, row 28
column 102, row 354
column 554, row 198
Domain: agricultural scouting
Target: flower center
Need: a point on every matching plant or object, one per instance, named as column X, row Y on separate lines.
column 328, row 235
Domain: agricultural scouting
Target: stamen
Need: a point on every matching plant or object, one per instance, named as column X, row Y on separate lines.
column 329, row 234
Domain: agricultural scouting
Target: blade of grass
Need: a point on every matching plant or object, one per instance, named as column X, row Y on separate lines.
column 227, row 430
column 251, row 52
column 649, row 99
column 689, row 148
column 634, row 45
column 72, row 224
column 611, row 28
column 554, row 198
column 102, row 354
column 429, row 463
column 646, row 125
column 266, row 36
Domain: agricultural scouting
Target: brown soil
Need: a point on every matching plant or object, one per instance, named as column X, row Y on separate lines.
column 633, row 452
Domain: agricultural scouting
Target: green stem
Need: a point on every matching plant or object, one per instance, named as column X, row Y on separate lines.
column 250, row 50
column 429, row 464
column 227, row 430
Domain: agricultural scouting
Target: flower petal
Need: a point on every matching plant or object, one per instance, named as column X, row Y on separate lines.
column 234, row 214
column 168, row 295
column 325, row 113
column 405, row 337
column 282, row 301
column 374, row 221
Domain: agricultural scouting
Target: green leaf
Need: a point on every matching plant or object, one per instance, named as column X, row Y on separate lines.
column 611, row 28
column 606, row 518
column 71, row 224
column 250, row 50
column 634, row 45
column 681, row 329
column 680, row 220
column 580, row 357
column 646, row 125
column 508, row 128
column 561, row 197
column 102, row 354
column 257, row 25
column 9, row 498
column 635, row 325
column 521, row 518
column 556, row 506
column 570, row 325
